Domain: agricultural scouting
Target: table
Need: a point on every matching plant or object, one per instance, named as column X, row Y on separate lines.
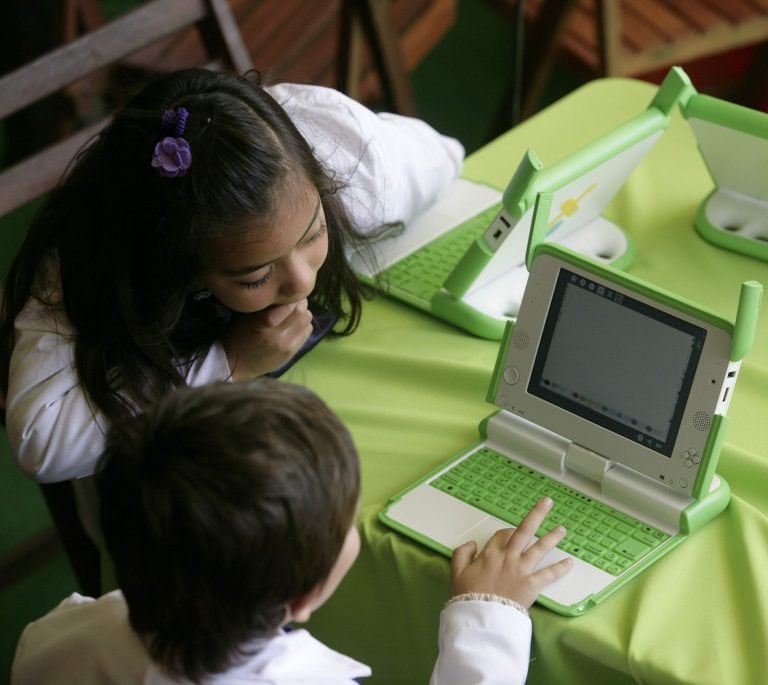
column 412, row 390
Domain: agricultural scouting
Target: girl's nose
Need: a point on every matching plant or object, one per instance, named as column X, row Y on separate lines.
column 298, row 278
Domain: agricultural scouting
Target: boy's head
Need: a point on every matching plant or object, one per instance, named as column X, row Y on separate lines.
column 225, row 508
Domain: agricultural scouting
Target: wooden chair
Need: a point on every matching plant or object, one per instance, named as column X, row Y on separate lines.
column 372, row 20
column 632, row 37
column 363, row 47
column 117, row 41
column 106, row 46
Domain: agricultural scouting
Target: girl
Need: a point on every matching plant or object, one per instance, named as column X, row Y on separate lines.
column 197, row 239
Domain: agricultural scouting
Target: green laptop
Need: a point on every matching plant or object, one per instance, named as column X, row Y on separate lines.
column 611, row 397
column 733, row 141
column 464, row 260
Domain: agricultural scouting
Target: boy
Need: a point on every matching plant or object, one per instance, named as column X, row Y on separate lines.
column 229, row 511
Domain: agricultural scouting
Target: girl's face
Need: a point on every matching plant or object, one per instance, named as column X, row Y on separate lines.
column 272, row 264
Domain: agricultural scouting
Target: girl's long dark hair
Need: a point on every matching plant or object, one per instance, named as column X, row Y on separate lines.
column 131, row 244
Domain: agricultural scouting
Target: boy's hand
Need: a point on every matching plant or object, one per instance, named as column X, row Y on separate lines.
column 505, row 567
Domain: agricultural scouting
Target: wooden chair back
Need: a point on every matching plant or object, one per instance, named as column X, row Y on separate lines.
column 634, row 37
column 136, row 35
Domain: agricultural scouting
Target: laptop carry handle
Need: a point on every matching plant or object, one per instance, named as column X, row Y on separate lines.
column 746, row 319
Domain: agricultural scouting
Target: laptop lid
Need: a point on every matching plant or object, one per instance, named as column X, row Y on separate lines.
column 636, row 377
column 733, row 141
column 491, row 276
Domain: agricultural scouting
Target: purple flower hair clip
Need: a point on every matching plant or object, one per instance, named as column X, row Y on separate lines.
column 172, row 155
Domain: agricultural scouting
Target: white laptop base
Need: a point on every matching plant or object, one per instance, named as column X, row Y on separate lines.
column 444, row 522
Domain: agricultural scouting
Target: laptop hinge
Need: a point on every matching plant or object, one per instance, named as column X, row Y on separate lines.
column 587, row 471
column 621, row 484
column 586, row 462
column 644, row 494
column 543, row 447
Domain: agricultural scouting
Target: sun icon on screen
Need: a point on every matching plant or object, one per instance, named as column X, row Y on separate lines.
column 568, row 208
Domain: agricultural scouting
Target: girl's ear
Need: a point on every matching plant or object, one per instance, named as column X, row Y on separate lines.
column 301, row 608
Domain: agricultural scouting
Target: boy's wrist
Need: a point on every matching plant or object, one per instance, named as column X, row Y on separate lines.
column 487, row 597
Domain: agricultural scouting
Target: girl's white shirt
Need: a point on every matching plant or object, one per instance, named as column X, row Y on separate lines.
column 88, row 642
column 393, row 167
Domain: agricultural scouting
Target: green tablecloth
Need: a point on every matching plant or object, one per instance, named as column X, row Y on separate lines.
column 412, row 391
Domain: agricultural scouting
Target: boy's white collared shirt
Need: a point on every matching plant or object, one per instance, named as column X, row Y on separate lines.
column 292, row 658
column 86, row 641
column 482, row 643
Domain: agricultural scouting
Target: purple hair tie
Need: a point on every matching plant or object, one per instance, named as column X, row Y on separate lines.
column 172, row 155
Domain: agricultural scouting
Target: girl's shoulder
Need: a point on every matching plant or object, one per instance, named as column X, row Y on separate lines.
column 391, row 167
column 325, row 115
column 295, row 96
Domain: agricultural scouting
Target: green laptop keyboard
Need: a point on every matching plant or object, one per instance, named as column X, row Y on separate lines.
column 422, row 273
column 597, row 534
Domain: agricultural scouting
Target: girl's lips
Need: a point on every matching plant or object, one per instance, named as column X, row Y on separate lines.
column 284, row 304
column 276, row 306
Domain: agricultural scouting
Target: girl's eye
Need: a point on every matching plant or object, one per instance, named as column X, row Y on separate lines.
column 318, row 234
column 257, row 284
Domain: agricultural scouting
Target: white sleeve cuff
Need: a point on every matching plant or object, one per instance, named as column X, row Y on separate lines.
column 484, row 643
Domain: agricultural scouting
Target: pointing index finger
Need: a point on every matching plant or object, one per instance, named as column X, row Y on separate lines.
column 530, row 524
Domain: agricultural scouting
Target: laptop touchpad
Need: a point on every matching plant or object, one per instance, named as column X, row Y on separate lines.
column 480, row 532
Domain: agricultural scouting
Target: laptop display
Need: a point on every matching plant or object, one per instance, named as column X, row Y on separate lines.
column 624, row 375
column 616, row 362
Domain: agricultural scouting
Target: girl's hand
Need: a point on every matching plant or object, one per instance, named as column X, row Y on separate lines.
column 505, row 567
column 263, row 341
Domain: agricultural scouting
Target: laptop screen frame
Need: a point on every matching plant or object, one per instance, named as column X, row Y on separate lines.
column 676, row 466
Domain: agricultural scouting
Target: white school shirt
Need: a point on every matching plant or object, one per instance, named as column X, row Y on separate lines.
column 90, row 642
column 395, row 167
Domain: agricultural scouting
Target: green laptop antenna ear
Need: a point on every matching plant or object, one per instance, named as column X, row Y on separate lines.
column 675, row 88
column 538, row 225
column 746, row 319
column 517, row 191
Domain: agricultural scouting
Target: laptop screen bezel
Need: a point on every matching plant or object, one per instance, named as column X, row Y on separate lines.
column 517, row 361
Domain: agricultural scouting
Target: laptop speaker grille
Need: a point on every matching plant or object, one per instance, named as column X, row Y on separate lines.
column 520, row 339
column 702, row 421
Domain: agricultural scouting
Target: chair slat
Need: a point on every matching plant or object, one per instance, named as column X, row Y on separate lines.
column 657, row 16
column 104, row 46
column 702, row 15
column 40, row 173
column 739, row 10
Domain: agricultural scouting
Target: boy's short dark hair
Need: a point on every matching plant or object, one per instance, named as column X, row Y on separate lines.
column 220, row 505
